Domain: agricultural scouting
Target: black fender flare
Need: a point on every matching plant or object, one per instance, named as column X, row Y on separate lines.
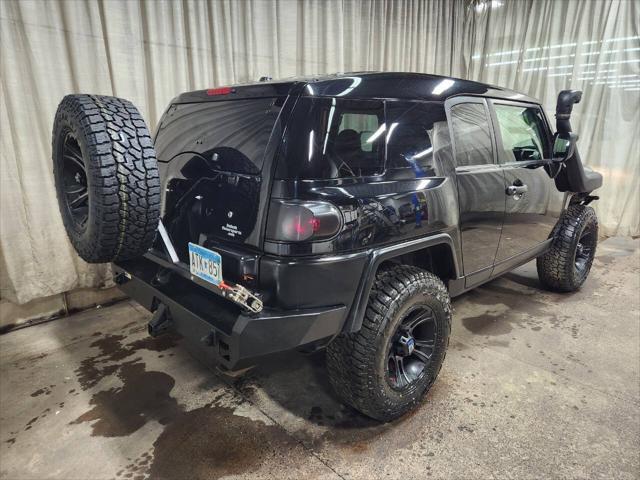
column 376, row 258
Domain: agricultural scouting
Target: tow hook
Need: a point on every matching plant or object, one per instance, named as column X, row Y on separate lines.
column 160, row 322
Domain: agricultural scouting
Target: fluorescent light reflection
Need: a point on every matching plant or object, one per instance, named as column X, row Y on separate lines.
column 355, row 81
column 423, row 153
column 391, row 129
column 326, row 137
column 377, row 133
column 442, row 86
column 311, row 134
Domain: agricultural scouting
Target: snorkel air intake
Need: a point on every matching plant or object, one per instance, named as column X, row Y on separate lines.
column 574, row 177
column 566, row 99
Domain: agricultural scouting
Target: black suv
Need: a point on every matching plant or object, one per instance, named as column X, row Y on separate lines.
column 340, row 211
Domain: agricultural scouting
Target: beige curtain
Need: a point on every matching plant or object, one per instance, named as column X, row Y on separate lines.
column 149, row 51
column 542, row 47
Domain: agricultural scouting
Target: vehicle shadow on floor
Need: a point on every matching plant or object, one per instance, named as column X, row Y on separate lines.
column 300, row 384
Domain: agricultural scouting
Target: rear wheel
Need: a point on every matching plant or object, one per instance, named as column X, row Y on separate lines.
column 106, row 177
column 388, row 366
column 566, row 265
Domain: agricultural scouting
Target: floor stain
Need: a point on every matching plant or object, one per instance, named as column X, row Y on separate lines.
column 524, row 310
column 111, row 349
column 514, row 299
column 92, row 370
column 159, row 344
column 31, row 422
column 136, row 469
column 28, row 362
column 211, row 442
column 488, row 324
column 43, row 391
column 144, row 396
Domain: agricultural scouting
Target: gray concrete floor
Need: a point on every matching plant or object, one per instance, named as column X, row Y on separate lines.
column 535, row 385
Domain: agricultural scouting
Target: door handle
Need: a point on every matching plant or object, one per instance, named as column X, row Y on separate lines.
column 517, row 190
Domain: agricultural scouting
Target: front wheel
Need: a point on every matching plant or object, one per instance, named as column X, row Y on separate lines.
column 387, row 367
column 566, row 265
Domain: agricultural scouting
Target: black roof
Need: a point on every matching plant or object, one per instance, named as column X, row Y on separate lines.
column 401, row 85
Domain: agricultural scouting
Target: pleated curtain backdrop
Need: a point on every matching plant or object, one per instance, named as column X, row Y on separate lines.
column 150, row 51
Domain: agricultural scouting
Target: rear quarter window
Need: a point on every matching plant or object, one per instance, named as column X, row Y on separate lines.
column 333, row 138
column 418, row 139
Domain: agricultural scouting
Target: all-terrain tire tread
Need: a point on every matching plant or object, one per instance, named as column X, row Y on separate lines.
column 556, row 267
column 351, row 356
column 123, row 179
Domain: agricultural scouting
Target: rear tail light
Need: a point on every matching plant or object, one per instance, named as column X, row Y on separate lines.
column 300, row 221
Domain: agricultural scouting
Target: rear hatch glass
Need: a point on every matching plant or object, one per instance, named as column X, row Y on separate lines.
column 211, row 156
column 237, row 130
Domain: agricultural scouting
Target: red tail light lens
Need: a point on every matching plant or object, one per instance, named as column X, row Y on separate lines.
column 300, row 221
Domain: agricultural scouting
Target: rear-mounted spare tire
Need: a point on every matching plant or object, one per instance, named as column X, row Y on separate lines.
column 106, row 177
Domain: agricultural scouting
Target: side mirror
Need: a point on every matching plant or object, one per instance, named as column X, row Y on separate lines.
column 564, row 146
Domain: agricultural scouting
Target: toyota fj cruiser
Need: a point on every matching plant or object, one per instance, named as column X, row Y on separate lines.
column 342, row 212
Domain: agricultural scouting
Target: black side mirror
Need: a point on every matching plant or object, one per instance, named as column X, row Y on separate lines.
column 564, row 146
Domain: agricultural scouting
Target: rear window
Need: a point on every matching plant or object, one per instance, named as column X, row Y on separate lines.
column 230, row 135
column 333, row 138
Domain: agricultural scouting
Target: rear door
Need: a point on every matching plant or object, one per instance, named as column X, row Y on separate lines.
column 211, row 156
column 480, row 185
column 533, row 204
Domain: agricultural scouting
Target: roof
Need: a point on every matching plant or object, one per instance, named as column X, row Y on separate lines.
column 400, row 85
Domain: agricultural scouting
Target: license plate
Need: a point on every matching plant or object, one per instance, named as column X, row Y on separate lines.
column 205, row 264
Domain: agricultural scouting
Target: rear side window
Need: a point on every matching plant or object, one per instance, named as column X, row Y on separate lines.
column 522, row 131
column 415, row 138
column 471, row 134
column 333, row 138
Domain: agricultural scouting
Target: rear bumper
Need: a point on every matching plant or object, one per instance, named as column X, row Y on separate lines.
column 219, row 330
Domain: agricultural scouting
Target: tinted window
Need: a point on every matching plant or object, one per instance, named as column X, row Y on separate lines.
column 363, row 123
column 333, row 138
column 522, row 132
column 229, row 135
column 413, row 137
column 471, row 134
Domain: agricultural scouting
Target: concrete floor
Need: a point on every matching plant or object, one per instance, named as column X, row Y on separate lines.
column 535, row 385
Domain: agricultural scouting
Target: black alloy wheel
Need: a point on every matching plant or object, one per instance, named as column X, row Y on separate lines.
column 585, row 250
column 74, row 176
column 411, row 347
